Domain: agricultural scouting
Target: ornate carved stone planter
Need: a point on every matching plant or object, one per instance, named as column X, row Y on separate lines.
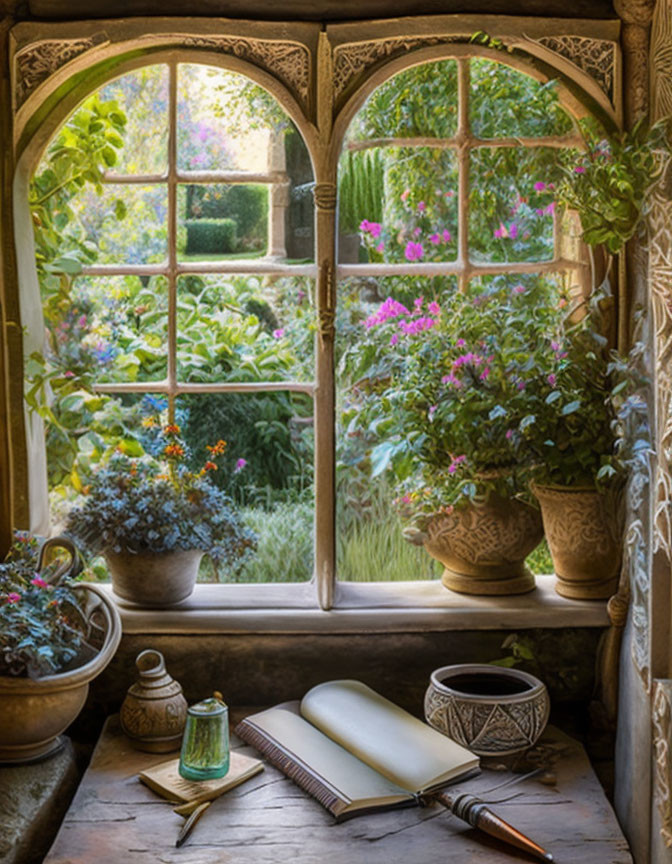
column 583, row 529
column 488, row 709
column 34, row 712
column 483, row 546
column 156, row 580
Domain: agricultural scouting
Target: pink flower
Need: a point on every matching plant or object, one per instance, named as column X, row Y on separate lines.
column 513, row 230
column 37, row 580
column 406, row 499
column 394, row 338
column 375, row 228
column 579, row 169
column 434, row 308
column 519, row 289
column 389, row 308
column 82, row 321
column 13, row 597
column 417, row 303
column 549, row 208
column 539, row 186
column 435, row 239
column 432, row 410
column 555, row 346
column 552, row 379
column 455, row 463
column 279, row 333
column 484, row 374
column 421, row 206
column 414, row 251
column 509, row 434
column 404, row 195
column 68, row 374
column 364, row 225
column 539, row 211
column 520, row 385
column 446, row 235
column 240, row 464
column 460, row 343
column 417, row 232
column 380, row 247
column 501, row 232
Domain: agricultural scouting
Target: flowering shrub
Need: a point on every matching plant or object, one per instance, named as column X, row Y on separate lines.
column 439, row 389
column 41, row 626
column 157, row 506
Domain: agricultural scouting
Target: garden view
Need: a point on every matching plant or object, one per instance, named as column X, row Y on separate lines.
column 408, row 196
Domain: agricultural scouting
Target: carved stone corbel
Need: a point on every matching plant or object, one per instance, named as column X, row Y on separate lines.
column 636, row 17
column 661, row 716
column 325, row 196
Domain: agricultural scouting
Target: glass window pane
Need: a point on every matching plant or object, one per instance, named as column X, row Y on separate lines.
column 371, row 334
column 245, row 328
column 225, row 121
column 267, row 470
column 143, row 97
column 218, row 222
column 511, row 203
column 125, row 223
column 505, row 103
column 114, row 330
column 398, row 204
column 421, row 101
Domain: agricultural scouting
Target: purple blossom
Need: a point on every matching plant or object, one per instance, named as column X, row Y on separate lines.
column 513, row 230
column 240, row 464
column 519, row 289
column 484, row 374
column 501, row 232
column 432, row 411
column 380, row 247
column 455, row 463
column 460, row 343
column 435, row 239
column 394, row 338
column 279, row 333
column 549, row 208
column 520, row 385
column 421, row 206
column 389, row 308
column 446, row 235
column 417, row 232
column 414, row 251
column 451, row 378
column 39, row 582
column 539, row 186
column 579, row 169
column 552, row 379
column 509, row 434
column 433, row 308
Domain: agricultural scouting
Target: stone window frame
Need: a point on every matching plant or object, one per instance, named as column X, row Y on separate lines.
column 322, row 114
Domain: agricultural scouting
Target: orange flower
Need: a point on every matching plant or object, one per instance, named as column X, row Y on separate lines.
column 209, row 466
column 173, row 451
column 172, row 429
column 217, row 449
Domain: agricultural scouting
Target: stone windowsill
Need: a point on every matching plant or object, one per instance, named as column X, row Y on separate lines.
column 360, row 607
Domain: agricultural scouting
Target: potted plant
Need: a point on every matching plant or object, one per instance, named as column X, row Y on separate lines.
column 440, row 390
column 153, row 519
column 580, row 403
column 55, row 637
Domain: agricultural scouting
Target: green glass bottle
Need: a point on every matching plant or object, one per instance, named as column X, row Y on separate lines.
column 205, row 745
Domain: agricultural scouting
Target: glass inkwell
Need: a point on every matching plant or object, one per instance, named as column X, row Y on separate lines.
column 205, row 745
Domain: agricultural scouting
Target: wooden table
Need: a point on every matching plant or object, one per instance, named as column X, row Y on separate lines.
column 115, row 819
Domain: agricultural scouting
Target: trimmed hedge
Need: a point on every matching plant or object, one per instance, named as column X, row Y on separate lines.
column 210, row 236
column 246, row 203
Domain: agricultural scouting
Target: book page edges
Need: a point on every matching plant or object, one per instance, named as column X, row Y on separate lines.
column 167, row 782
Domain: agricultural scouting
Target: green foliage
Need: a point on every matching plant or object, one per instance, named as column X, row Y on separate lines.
column 285, row 548
column 579, row 401
column 609, row 182
column 158, row 505
column 42, row 627
column 247, row 205
column 361, row 177
column 214, row 236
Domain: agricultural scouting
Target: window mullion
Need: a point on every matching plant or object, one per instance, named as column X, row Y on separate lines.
column 172, row 241
column 463, row 172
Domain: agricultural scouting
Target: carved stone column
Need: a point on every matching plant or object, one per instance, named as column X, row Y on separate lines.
column 636, row 17
column 278, row 199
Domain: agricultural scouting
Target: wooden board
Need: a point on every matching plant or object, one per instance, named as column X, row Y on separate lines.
column 115, row 818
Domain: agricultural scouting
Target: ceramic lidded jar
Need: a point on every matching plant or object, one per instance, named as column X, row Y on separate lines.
column 154, row 712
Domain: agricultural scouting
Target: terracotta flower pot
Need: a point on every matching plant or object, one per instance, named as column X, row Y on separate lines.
column 583, row 529
column 153, row 579
column 488, row 709
column 483, row 546
column 34, row 712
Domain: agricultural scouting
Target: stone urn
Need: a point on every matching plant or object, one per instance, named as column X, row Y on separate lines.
column 584, row 532
column 154, row 712
column 154, row 579
column 483, row 546
column 35, row 711
column 490, row 710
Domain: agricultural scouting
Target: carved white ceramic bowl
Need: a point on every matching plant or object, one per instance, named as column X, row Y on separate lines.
column 491, row 710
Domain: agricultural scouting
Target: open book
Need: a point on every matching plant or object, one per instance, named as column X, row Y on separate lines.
column 354, row 750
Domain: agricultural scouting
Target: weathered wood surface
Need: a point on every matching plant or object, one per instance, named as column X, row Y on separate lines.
column 114, row 818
